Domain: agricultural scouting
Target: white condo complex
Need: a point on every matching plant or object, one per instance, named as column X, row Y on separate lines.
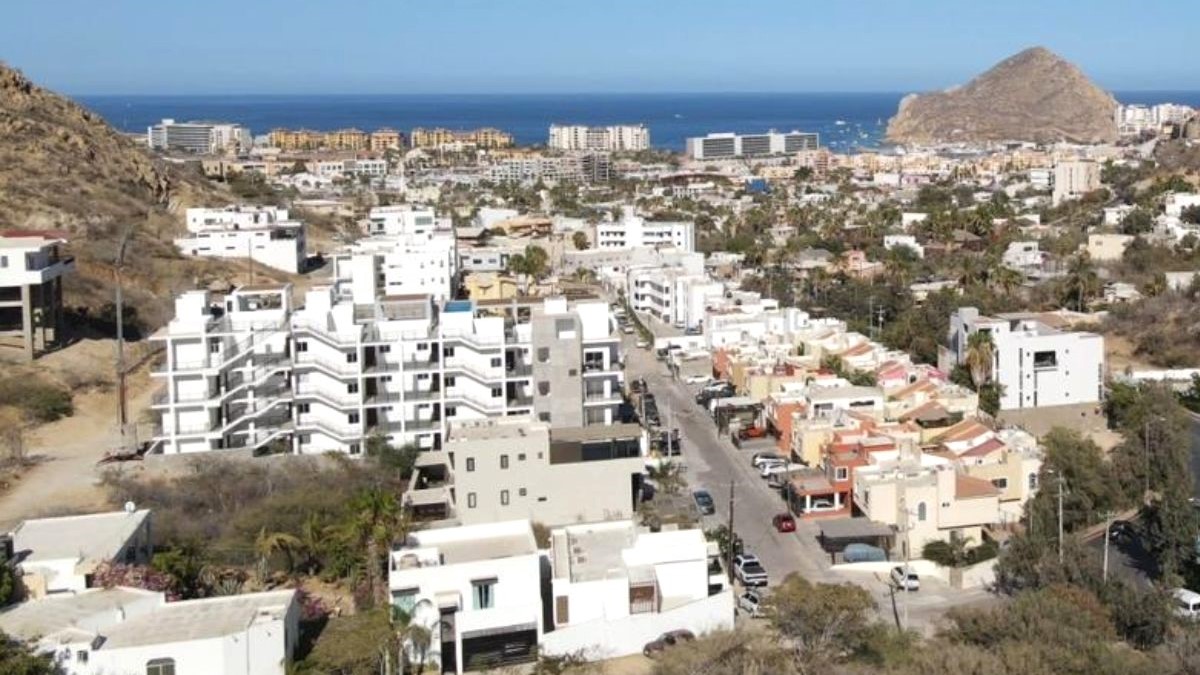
column 251, row 371
column 263, row 234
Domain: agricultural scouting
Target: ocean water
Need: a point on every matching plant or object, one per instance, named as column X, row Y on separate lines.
column 845, row 121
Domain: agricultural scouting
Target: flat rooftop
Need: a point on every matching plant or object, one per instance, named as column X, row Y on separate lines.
column 189, row 620
column 595, row 432
column 43, row 618
column 500, row 430
column 470, row 543
column 592, row 554
column 99, row 536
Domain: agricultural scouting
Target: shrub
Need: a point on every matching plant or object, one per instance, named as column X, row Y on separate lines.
column 39, row 400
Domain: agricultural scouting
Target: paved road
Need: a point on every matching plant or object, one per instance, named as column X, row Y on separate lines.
column 713, row 462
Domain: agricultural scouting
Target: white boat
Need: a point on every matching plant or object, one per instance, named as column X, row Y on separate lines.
column 839, row 122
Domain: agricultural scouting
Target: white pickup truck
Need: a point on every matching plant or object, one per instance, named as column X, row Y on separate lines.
column 749, row 571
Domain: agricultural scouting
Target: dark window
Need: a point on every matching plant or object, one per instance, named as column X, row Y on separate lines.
column 496, row 362
column 160, row 667
column 503, row 461
column 448, row 351
column 451, row 411
column 504, row 498
column 543, row 354
column 497, row 392
column 301, row 408
column 449, row 380
column 352, row 388
column 544, row 388
column 352, row 357
column 1047, row 359
column 470, row 464
column 521, row 492
column 470, row 500
column 352, row 418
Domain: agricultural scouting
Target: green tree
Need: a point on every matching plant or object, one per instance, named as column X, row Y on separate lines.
column 1082, row 282
column 1137, row 221
column 980, row 356
column 821, row 621
column 1090, row 487
column 580, row 240
column 377, row 521
column 17, row 659
column 268, row 544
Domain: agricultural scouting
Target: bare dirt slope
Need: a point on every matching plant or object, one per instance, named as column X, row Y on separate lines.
column 1032, row 96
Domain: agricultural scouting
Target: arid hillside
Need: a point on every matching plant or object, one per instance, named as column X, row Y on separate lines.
column 64, row 168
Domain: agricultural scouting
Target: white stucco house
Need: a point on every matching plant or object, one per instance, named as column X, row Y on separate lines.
column 58, row 555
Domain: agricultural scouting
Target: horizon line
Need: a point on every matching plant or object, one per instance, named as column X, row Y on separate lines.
column 568, row 93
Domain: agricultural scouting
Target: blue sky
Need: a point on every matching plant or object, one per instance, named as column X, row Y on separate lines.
column 499, row 46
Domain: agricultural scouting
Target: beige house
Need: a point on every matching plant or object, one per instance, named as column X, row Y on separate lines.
column 1107, row 247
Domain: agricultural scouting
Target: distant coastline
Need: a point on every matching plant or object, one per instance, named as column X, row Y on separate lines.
column 670, row 117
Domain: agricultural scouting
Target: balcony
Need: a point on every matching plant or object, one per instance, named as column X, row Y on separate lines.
column 601, row 397
column 518, row 370
column 520, row 402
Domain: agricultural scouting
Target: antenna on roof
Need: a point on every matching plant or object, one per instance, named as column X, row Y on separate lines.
column 130, row 507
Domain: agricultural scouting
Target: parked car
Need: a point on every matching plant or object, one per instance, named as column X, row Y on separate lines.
column 784, row 522
column 751, row 432
column 771, row 468
column 1187, row 603
column 749, row 570
column 905, row 579
column 758, row 458
column 667, row 639
column 697, row 379
column 643, row 344
column 750, row 603
column 704, row 502
column 1121, row 531
column 863, row 553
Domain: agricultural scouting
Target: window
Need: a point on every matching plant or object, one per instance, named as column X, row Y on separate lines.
column 3, row 261
column 483, row 593
column 503, row 461
column 352, row 388
column 521, row 457
column 301, row 346
column 921, row 512
column 451, row 411
column 214, row 346
column 302, row 408
column 504, row 498
column 352, row 357
column 449, row 380
column 521, row 492
column 1047, row 359
column 1000, row 483
column 404, row 600
column 448, row 351
column 160, row 667
column 471, row 501
column 543, row 354
column 384, row 349
column 496, row 362
column 543, row 417
column 497, row 392
column 544, row 388
column 841, row 473
column 470, row 464
column 1033, row 481
column 352, row 418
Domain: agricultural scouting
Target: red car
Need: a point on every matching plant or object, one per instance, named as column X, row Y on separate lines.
column 784, row 522
column 752, row 432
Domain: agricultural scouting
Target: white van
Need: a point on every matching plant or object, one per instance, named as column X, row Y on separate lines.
column 1187, row 603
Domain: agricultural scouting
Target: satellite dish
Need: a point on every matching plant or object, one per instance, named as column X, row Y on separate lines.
column 130, row 507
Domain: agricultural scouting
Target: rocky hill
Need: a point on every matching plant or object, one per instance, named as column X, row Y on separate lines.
column 62, row 167
column 1032, row 96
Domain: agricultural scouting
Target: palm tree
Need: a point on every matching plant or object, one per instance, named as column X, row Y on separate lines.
column 1006, row 279
column 980, row 356
column 1082, row 280
column 414, row 641
column 377, row 521
column 312, row 538
column 267, row 544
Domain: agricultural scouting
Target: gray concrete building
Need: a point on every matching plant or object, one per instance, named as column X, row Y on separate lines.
column 31, row 276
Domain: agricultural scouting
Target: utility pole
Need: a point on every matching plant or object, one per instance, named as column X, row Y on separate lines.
column 1107, row 531
column 732, row 538
column 119, row 307
column 1146, row 454
column 1060, row 518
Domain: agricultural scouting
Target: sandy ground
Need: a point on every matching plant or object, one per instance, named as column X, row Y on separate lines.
column 65, row 475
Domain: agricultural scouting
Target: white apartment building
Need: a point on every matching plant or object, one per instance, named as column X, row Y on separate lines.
column 1035, row 365
column 200, row 138
column 633, row 231
column 476, row 589
column 32, row 267
column 1074, row 178
column 1135, row 118
column 253, row 372
column 615, row 587
column 1022, row 256
column 676, row 295
column 507, row 468
column 328, row 168
column 59, row 555
column 730, row 145
column 1176, row 202
column 591, row 167
column 130, row 630
column 608, row 138
column 263, row 234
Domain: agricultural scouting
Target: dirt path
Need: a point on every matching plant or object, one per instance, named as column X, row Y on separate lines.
column 64, row 479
